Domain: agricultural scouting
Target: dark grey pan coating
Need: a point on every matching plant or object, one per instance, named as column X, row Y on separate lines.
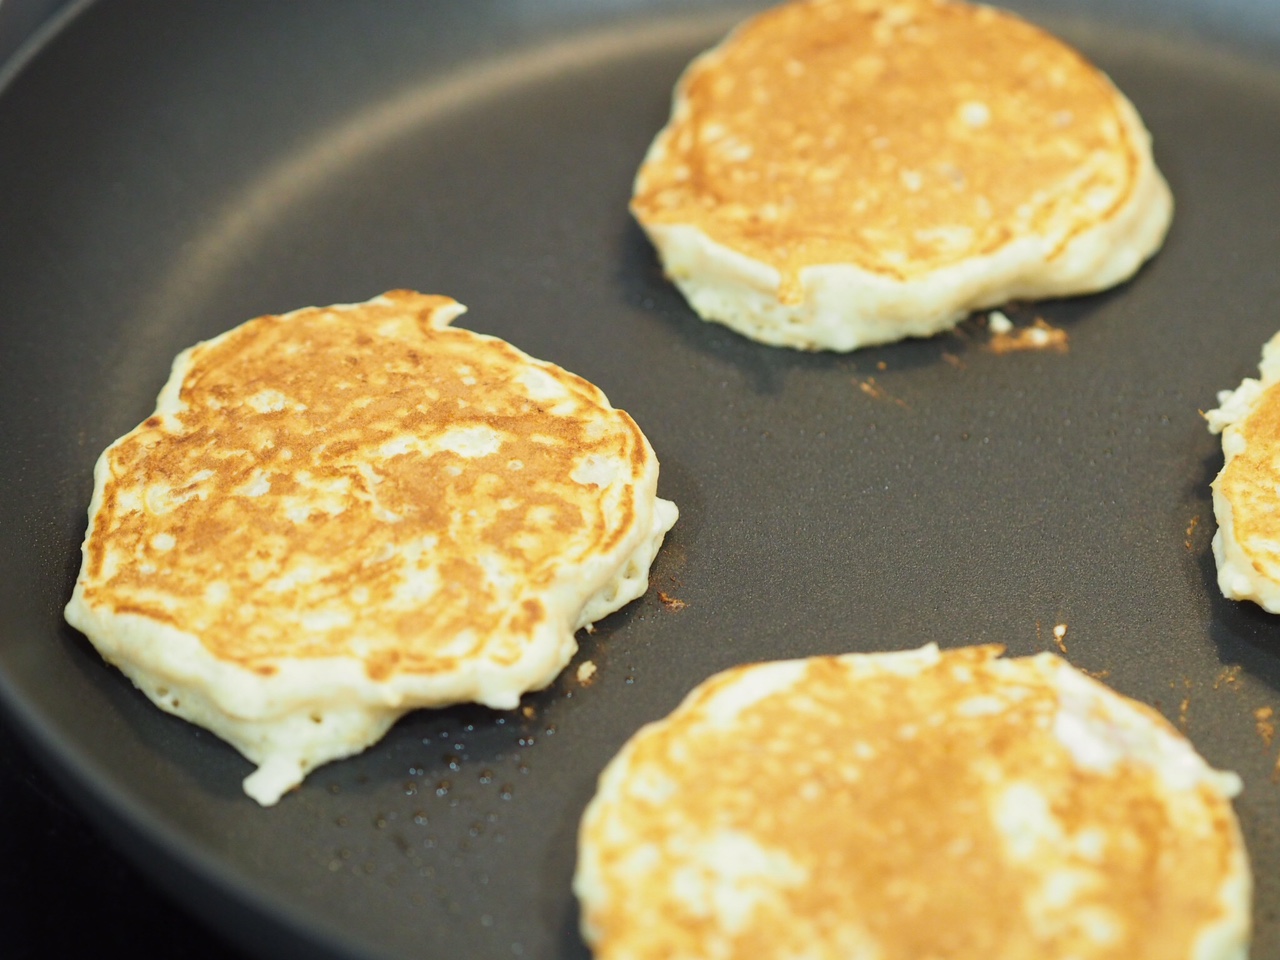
column 168, row 170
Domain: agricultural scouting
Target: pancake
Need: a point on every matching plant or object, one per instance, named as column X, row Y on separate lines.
column 840, row 173
column 1246, row 493
column 905, row 805
column 341, row 514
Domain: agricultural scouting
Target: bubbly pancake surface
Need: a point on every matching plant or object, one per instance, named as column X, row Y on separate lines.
column 900, row 138
column 362, row 506
column 1246, row 492
column 912, row 805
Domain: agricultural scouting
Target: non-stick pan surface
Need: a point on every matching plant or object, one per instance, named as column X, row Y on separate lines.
column 169, row 170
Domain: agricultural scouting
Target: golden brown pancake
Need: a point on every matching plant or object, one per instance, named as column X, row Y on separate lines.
column 342, row 513
column 1246, row 493
column 838, row 173
column 910, row 805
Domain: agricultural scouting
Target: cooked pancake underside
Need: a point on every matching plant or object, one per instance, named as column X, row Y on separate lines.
column 839, row 173
column 342, row 513
column 908, row 805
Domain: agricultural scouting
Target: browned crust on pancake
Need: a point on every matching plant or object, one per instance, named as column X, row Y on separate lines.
column 833, row 131
column 304, row 401
column 901, row 841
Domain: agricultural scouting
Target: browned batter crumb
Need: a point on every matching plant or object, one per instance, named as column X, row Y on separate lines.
column 1039, row 336
column 1184, row 708
column 673, row 604
column 1263, row 721
column 1230, row 677
column 877, row 392
column 1060, row 637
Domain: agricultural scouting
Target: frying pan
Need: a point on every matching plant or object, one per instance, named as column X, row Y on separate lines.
column 169, row 170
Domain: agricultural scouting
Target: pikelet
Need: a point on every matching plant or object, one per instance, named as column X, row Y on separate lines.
column 340, row 514
column 839, row 173
column 910, row 805
column 1246, row 493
